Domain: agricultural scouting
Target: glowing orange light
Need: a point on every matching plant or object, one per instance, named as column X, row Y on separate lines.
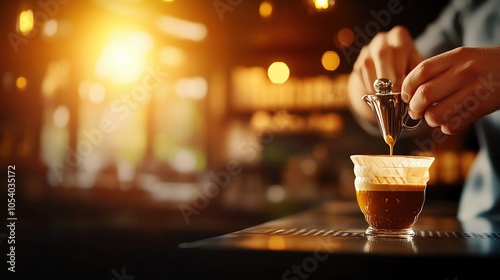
column 321, row 4
column 276, row 243
column 330, row 60
column 26, row 22
column 21, row 83
column 345, row 37
column 265, row 9
column 260, row 120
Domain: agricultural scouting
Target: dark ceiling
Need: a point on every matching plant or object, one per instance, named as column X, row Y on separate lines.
column 295, row 33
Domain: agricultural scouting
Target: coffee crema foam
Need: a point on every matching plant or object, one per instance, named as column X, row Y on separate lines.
column 365, row 186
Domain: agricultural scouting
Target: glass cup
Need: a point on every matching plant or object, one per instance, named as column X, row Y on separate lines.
column 390, row 191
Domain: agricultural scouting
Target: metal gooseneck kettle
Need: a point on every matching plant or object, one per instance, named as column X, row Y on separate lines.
column 390, row 111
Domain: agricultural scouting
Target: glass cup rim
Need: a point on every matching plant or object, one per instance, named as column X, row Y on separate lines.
column 387, row 162
column 393, row 156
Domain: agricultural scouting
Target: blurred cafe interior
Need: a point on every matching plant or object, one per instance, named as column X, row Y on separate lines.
column 135, row 125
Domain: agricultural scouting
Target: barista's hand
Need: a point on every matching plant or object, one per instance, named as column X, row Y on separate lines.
column 453, row 89
column 389, row 55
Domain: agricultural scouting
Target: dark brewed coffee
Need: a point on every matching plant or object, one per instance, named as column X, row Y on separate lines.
column 397, row 207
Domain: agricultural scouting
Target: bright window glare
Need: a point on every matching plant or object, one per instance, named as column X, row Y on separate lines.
column 124, row 57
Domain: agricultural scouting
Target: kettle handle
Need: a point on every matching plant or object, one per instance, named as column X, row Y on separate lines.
column 411, row 127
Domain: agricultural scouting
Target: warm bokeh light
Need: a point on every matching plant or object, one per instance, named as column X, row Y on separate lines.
column 254, row 91
column 54, row 142
column 321, row 5
column 265, row 9
column 320, row 151
column 124, row 57
column 50, row 28
column 308, row 166
column 278, row 72
column 84, row 88
column 276, row 243
column 260, row 120
column 56, row 77
column 275, row 193
column 125, row 171
column 184, row 161
column 97, row 93
column 182, row 28
column 26, row 22
column 21, row 83
column 195, row 88
column 330, row 60
column 329, row 123
column 61, row 116
column 345, row 37
column 172, row 56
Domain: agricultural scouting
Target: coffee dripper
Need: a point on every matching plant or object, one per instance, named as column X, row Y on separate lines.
column 390, row 111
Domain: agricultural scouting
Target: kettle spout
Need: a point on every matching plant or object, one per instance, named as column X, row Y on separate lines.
column 366, row 98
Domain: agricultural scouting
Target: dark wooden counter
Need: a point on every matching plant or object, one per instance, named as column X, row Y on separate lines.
column 328, row 242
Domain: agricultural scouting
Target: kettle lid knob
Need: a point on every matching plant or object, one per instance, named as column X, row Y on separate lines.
column 382, row 85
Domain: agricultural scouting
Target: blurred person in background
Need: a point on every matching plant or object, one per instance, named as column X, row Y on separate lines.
column 450, row 76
